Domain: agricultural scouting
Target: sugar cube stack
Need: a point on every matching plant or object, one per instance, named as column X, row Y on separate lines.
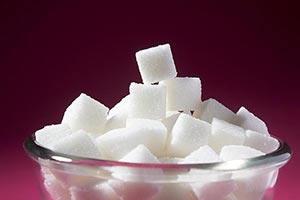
column 162, row 120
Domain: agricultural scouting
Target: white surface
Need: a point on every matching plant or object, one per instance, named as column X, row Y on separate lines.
column 249, row 121
column 156, row 64
column 87, row 114
column 211, row 108
column 183, row 94
column 188, row 134
column 224, row 133
column 147, row 101
column 78, row 144
column 49, row 135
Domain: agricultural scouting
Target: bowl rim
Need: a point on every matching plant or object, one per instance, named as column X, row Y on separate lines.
column 276, row 158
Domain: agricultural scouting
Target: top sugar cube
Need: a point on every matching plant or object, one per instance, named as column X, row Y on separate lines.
column 156, row 64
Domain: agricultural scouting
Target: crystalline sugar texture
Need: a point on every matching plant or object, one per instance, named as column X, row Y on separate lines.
column 51, row 134
column 147, row 101
column 204, row 154
column 236, row 152
column 117, row 115
column 116, row 143
column 87, row 114
column 188, row 134
column 156, row 64
column 183, row 94
column 261, row 142
column 212, row 108
column 78, row 144
column 224, row 133
column 249, row 121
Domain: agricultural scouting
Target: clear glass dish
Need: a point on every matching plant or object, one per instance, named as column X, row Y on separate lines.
column 65, row 177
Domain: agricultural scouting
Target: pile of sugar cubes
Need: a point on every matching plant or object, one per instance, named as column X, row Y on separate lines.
column 162, row 120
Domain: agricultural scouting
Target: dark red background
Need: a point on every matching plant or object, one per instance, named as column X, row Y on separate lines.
column 245, row 54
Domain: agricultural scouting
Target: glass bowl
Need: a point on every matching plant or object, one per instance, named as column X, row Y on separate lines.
column 65, row 177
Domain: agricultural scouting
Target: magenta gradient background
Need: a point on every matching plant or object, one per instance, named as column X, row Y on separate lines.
column 245, row 54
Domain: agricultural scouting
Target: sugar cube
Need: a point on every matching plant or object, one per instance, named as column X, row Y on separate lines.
column 203, row 154
column 77, row 144
column 87, row 114
column 147, row 101
column 183, row 94
column 188, row 134
column 211, row 108
column 261, row 142
column 116, row 143
column 117, row 115
column 249, row 121
column 156, row 64
column 224, row 133
column 51, row 134
column 236, row 152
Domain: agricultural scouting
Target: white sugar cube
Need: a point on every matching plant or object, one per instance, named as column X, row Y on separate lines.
column 236, row 152
column 94, row 192
column 156, row 64
column 249, row 121
column 147, row 101
column 51, row 134
column 183, row 94
column 77, row 144
column 212, row 108
column 188, row 134
column 169, row 121
column 117, row 115
column 224, row 133
column 204, row 154
column 154, row 129
column 140, row 154
column 116, row 143
column 261, row 142
column 87, row 114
